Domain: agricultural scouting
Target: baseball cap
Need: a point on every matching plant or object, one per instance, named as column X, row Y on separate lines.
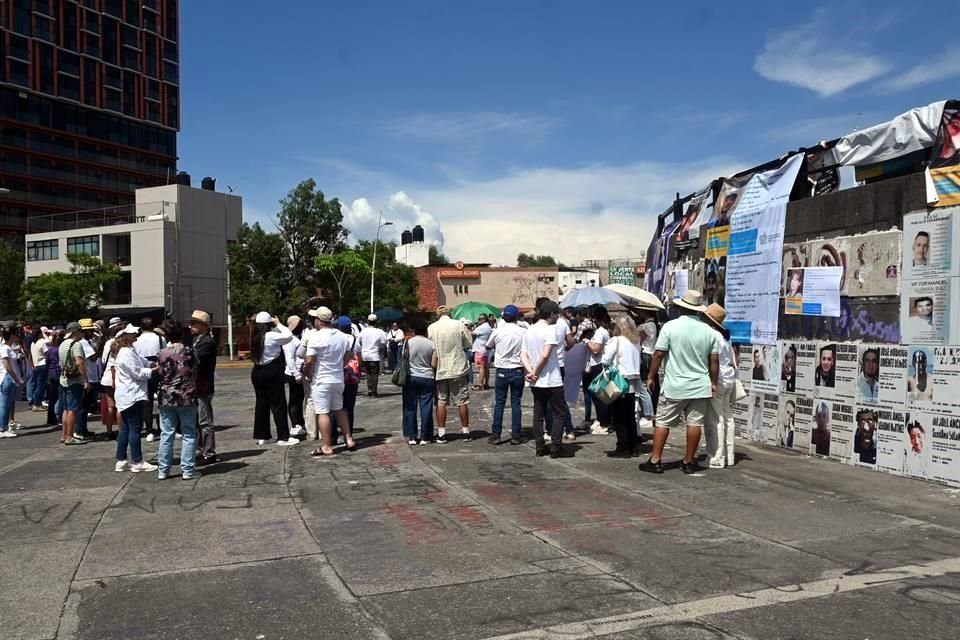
column 72, row 327
column 263, row 317
column 511, row 311
column 323, row 314
column 343, row 323
column 372, row 317
column 549, row 306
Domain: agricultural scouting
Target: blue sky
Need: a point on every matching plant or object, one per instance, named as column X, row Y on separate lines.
column 537, row 126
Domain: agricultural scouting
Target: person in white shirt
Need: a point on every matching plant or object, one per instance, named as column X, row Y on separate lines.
column 88, row 344
column 647, row 402
column 596, row 345
column 394, row 339
column 130, row 394
column 10, row 380
column 327, row 354
column 623, row 352
column 38, row 352
column 718, row 428
column 147, row 346
column 293, row 366
column 565, row 340
column 266, row 350
column 507, row 342
column 373, row 345
column 481, row 333
column 108, row 411
column 539, row 357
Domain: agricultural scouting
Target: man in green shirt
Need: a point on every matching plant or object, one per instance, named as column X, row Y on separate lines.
column 691, row 350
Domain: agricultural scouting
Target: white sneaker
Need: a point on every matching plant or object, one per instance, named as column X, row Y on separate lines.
column 424, row 443
column 15, row 425
column 298, row 431
column 289, row 442
column 45, row 404
column 179, row 436
column 411, row 442
column 150, row 437
column 143, row 466
column 570, row 436
column 597, row 430
column 121, row 465
column 7, row 434
column 644, row 423
column 261, row 442
column 161, row 476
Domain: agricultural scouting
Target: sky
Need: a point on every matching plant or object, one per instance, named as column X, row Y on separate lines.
column 538, row 126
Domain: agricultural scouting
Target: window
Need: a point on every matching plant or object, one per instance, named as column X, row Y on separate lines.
column 133, row 12
column 69, row 37
column 461, row 289
column 86, row 245
column 170, row 15
column 113, row 7
column 110, row 40
column 119, row 292
column 46, row 68
column 69, row 87
column 43, row 250
column 90, row 69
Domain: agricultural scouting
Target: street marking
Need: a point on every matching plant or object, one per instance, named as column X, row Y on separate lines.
column 687, row 611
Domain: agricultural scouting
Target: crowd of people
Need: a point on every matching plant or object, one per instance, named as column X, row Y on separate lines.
column 307, row 372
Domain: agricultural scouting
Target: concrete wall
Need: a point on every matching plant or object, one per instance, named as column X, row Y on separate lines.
column 496, row 286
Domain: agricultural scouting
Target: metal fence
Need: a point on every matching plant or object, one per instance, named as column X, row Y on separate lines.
column 109, row 216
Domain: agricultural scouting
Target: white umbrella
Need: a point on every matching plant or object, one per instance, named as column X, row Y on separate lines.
column 587, row 296
column 636, row 295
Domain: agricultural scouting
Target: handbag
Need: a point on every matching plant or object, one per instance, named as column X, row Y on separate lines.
column 402, row 372
column 740, row 392
column 609, row 384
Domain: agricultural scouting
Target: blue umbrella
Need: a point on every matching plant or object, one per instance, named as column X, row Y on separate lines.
column 388, row 314
column 586, row 296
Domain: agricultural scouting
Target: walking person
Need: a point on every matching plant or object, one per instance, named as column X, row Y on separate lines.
column 10, row 381
column 73, row 381
column 718, row 427
column 38, row 352
column 351, row 375
column 133, row 374
column 205, row 351
column 421, row 382
column 481, row 334
column 177, row 401
column 148, row 345
column 623, row 352
column 451, row 339
column 394, row 340
column 507, row 342
column 373, row 345
column 323, row 365
column 294, row 378
column 539, row 357
column 267, row 338
column 690, row 348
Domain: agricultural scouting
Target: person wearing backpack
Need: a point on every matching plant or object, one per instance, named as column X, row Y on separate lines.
column 73, row 380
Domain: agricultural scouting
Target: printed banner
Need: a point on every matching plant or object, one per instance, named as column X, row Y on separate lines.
column 718, row 240
column 891, row 427
column 731, row 193
column 945, row 156
column 763, row 415
column 796, row 417
column 695, row 214
column 813, row 291
column 798, row 364
column 835, row 376
column 621, row 275
column 755, row 253
column 765, row 369
column 655, row 280
column 926, row 310
column 928, row 244
column 933, row 380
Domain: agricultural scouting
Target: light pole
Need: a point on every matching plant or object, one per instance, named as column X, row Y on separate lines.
column 380, row 225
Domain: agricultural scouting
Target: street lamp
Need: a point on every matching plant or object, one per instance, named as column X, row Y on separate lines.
column 380, row 225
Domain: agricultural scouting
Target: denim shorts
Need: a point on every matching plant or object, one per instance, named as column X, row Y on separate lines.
column 72, row 397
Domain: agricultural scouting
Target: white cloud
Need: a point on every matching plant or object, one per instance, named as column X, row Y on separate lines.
column 468, row 126
column 818, row 57
column 944, row 66
column 361, row 218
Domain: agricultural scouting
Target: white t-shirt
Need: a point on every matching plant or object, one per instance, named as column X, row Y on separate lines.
column 328, row 348
column 290, row 355
column 627, row 361
column 7, row 352
column 107, row 360
column 649, row 328
column 535, row 339
column 600, row 336
column 563, row 330
column 148, row 345
column 39, row 352
column 728, row 363
column 371, row 339
column 480, row 337
column 273, row 342
column 395, row 335
column 506, row 341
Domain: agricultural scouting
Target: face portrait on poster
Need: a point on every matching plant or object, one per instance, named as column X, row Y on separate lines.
column 933, row 380
column 813, row 291
column 891, row 427
column 793, row 427
column 825, row 375
column 868, row 379
column 916, row 460
column 925, row 309
column 766, row 365
column 865, row 437
column 928, row 244
column 920, row 370
column 798, row 363
column 821, row 429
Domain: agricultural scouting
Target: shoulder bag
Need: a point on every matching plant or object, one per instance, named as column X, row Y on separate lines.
column 402, row 372
column 609, row 384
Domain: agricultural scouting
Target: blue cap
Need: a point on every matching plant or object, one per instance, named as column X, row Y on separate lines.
column 343, row 322
column 510, row 311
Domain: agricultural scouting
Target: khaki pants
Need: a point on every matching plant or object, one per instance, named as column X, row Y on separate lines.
column 718, row 428
column 309, row 416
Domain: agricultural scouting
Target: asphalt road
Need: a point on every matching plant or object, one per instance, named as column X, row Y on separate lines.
column 464, row 540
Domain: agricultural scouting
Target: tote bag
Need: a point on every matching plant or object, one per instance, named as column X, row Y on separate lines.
column 609, row 385
column 402, row 372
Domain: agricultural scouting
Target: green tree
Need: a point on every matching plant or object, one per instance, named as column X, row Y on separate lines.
column 310, row 225
column 525, row 260
column 436, row 257
column 258, row 277
column 66, row 297
column 343, row 268
column 11, row 266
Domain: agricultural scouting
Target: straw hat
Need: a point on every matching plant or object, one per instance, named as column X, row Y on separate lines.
column 691, row 300
column 715, row 314
column 200, row 316
column 87, row 324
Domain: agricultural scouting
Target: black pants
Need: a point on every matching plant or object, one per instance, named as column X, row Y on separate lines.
column 624, row 419
column 548, row 399
column 268, row 381
column 295, row 403
column 53, row 394
column 372, row 367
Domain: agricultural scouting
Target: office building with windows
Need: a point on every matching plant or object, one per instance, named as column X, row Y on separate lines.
column 89, row 104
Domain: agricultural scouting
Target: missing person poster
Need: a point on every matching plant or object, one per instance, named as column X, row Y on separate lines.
column 798, row 362
column 945, row 449
column 825, row 373
column 916, row 440
column 925, row 310
column 891, row 427
column 865, row 437
column 842, row 428
column 763, row 415
column 928, row 244
column 933, row 379
column 891, row 375
column 813, row 291
column 681, row 281
column 868, row 377
column 765, row 367
column 796, row 416
column 755, row 253
column 741, row 418
column 847, row 370
column 745, row 365
column 821, row 427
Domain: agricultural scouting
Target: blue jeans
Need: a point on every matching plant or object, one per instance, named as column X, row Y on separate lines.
column 170, row 419
column 8, row 398
column 507, row 380
column 130, row 420
column 39, row 386
column 418, row 394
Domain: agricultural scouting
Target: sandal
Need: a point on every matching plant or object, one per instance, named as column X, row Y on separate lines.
column 320, row 453
column 352, row 446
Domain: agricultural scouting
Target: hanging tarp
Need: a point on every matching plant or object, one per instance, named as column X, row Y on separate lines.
column 911, row 131
column 945, row 160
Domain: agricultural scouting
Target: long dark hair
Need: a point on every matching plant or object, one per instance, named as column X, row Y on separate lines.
column 257, row 335
column 172, row 329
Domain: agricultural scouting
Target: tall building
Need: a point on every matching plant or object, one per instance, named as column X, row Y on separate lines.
column 89, row 105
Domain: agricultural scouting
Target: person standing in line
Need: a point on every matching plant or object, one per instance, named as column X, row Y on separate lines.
column 108, row 404
column 718, row 424
column 373, row 345
column 25, row 354
column 481, row 333
column 648, row 340
column 689, row 346
column 451, row 340
column 205, row 351
column 177, row 401
column 539, row 357
column 38, row 352
column 564, row 342
column 73, row 380
column 421, row 383
column 507, row 342
column 468, row 352
column 10, row 381
column 309, row 415
column 327, row 354
column 91, row 394
column 623, row 352
column 147, row 346
column 395, row 339
column 267, row 338
column 54, row 405
column 596, row 345
column 351, row 377
column 293, row 376
column 132, row 377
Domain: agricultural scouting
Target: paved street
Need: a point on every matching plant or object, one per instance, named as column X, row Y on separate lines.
column 464, row 540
